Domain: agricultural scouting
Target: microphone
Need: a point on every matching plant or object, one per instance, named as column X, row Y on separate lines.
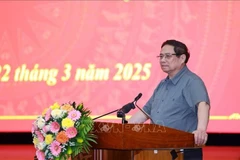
column 126, row 108
column 138, row 97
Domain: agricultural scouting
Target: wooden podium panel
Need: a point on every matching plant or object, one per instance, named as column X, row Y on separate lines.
column 99, row 154
column 155, row 154
column 140, row 136
column 136, row 142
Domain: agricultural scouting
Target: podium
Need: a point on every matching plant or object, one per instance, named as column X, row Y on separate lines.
column 137, row 142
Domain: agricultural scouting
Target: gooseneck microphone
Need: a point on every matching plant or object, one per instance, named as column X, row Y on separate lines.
column 126, row 108
column 138, row 97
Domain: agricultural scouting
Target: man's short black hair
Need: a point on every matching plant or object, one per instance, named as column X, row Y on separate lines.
column 179, row 48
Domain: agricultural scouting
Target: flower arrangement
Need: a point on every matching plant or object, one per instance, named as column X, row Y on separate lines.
column 62, row 131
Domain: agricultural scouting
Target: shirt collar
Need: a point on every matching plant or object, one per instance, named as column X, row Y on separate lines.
column 176, row 78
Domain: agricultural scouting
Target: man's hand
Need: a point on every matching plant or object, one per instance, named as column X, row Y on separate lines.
column 200, row 137
column 138, row 117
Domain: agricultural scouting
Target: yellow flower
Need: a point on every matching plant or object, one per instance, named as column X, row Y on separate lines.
column 35, row 141
column 79, row 140
column 69, row 150
column 55, row 106
column 44, row 111
column 67, row 122
column 48, row 139
column 67, row 107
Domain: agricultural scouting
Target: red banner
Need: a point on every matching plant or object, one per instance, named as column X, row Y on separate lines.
column 103, row 53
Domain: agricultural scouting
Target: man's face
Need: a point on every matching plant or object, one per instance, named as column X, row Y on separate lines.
column 169, row 62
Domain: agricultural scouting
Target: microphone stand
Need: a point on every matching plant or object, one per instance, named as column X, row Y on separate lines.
column 105, row 114
column 121, row 115
column 148, row 116
column 120, row 112
column 124, row 119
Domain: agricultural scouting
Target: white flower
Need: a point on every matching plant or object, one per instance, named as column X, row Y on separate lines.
column 57, row 113
column 41, row 145
column 40, row 122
